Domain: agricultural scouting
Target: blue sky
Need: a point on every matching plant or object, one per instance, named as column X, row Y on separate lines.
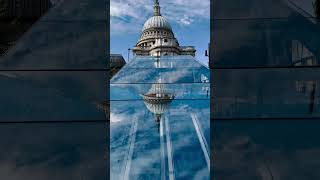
column 189, row 19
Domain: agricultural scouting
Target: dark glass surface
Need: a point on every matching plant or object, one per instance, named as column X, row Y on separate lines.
column 264, row 67
column 52, row 95
column 79, row 10
column 309, row 7
column 59, row 45
column 264, row 42
column 68, row 36
column 266, row 149
column 50, row 151
column 260, row 93
column 36, row 82
column 252, row 9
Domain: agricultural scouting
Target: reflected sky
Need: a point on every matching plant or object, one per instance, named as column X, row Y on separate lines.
column 179, row 69
column 153, row 137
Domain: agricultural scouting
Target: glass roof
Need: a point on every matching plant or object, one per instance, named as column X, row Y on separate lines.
column 160, row 125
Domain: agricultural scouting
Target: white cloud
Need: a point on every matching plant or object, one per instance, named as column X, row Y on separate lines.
column 129, row 15
column 118, row 9
column 186, row 20
column 114, row 118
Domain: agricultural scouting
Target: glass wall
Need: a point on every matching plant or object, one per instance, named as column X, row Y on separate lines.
column 265, row 90
column 54, row 95
column 160, row 125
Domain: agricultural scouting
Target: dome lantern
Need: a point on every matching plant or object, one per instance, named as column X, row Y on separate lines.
column 156, row 8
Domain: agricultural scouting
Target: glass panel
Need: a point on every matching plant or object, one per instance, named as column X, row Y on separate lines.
column 52, row 95
column 161, row 75
column 181, row 91
column 66, row 151
column 239, row 9
column 141, row 144
column 265, row 96
column 155, row 70
column 160, row 119
column 308, row 7
column 79, row 10
column 253, row 93
column 190, row 148
column 59, row 45
column 264, row 149
column 293, row 41
column 165, row 62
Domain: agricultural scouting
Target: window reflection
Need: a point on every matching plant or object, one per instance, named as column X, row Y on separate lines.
column 301, row 55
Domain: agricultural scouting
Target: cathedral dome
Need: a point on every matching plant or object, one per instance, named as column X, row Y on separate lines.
column 157, row 22
column 157, row 38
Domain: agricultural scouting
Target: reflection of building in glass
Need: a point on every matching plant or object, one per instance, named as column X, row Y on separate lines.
column 17, row 16
column 287, row 50
column 3, row 8
column 116, row 63
column 301, row 55
column 158, row 39
column 159, row 61
column 104, row 107
column 288, row 42
column 23, row 8
column 157, row 100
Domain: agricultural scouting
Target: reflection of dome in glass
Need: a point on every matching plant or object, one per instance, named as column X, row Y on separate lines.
column 157, row 100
